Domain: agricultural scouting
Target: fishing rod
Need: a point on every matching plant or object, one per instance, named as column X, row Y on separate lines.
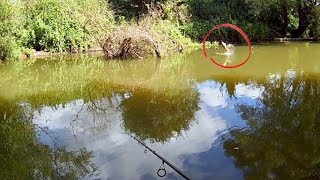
column 163, row 161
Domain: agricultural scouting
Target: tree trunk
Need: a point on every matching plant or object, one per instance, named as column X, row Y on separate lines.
column 305, row 10
column 315, row 21
column 284, row 27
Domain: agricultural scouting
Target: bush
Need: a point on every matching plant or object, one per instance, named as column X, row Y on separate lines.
column 9, row 28
column 176, row 12
column 154, row 35
column 57, row 25
column 315, row 26
column 158, row 38
column 130, row 42
column 170, row 38
column 197, row 30
column 51, row 26
column 257, row 31
column 9, row 49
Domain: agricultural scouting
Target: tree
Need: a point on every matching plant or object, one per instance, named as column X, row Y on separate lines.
column 131, row 8
column 306, row 12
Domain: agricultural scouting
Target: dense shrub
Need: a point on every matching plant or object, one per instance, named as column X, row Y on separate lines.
column 176, row 12
column 57, row 25
column 9, row 48
column 9, row 30
column 257, row 31
column 171, row 38
column 152, row 37
column 51, row 25
column 262, row 20
column 197, row 30
column 315, row 27
column 158, row 33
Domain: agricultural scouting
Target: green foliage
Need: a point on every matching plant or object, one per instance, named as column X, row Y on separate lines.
column 176, row 12
column 293, row 21
column 261, row 20
column 75, row 25
column 315, row 27
column 171, row 38
column 52, row 25
column 197, row 30
column 9, row 29
column 96, row 16
column 204, row 15
column 257, row 31
column 9, row 49
column 130, row 9
column 8, row 22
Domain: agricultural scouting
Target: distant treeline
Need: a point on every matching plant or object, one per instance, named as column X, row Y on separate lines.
column 261, row 19
column 75, row 25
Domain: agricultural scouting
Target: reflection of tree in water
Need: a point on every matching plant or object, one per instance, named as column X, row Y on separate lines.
column 23, row 157
column 230, row 83
column 159, row 115
column 283, row 140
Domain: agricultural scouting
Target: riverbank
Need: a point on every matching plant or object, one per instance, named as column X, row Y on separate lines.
column 47, row 28
column 296, row 39
column 98, row 51
column 165, row 28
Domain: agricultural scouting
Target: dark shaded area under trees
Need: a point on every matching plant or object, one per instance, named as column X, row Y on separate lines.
column 259, row 18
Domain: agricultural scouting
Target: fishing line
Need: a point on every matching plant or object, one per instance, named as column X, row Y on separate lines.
column 161, row 171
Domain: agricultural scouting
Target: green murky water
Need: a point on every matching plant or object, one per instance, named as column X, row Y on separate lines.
column 69, row 117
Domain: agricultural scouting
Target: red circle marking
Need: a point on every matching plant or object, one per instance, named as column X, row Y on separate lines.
column 235, row 28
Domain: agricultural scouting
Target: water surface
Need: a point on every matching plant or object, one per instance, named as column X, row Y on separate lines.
column 70, row 117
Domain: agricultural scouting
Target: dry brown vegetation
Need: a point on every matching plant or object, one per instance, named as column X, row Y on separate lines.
column 150, row 35
column 130, row 42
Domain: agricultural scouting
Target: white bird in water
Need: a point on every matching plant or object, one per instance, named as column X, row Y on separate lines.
column 229, row 48
column 228, row 53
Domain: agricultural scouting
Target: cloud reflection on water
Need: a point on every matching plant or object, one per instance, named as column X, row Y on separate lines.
column 117, row 156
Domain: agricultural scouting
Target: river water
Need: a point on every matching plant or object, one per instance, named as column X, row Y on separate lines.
column 70, row 117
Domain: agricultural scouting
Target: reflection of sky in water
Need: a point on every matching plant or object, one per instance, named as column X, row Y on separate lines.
column 198, row 151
